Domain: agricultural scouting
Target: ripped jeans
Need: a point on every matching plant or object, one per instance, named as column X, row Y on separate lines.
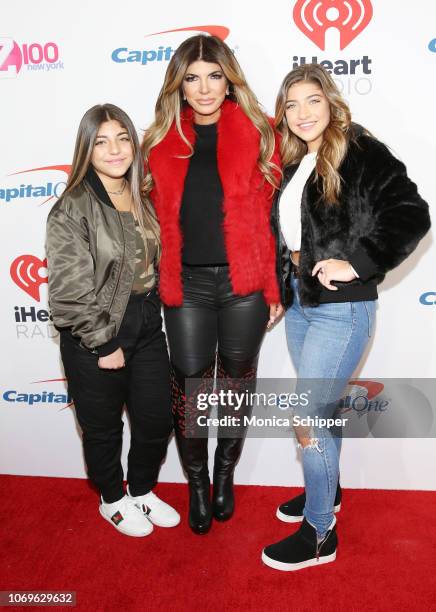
column 325, row 343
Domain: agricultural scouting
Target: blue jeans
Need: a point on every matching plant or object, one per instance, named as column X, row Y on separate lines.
column 325, row 343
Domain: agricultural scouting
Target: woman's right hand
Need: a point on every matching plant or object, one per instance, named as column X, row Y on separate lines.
column 114, row 361
column 275, row 313
column 329, row 270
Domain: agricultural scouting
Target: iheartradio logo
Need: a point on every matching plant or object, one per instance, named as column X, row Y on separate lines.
column 26, row 274
column 315, row 17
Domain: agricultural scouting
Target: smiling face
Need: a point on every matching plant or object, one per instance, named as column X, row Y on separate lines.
column 112, row 155
column 307, row 113
column 205, row 88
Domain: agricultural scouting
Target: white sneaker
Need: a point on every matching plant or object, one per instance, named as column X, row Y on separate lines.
column 125, row 516
column 156, row 510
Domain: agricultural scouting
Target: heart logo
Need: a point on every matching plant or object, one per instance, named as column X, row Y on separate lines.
column 25, row 272
column 315, row 17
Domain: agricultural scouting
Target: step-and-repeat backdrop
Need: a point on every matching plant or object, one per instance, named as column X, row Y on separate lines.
column 58, row 58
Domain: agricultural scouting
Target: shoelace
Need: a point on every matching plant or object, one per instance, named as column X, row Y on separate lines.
column 143, row 505
column 127, row 506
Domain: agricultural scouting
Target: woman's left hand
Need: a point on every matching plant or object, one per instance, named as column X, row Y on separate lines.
column 329, row 270
column 275, row 312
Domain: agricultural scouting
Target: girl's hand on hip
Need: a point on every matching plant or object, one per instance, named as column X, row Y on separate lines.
column 329, row 270
column 275, row 313
column 114, row 361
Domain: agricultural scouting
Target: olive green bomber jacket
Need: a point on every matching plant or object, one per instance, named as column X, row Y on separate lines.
column 91, row 264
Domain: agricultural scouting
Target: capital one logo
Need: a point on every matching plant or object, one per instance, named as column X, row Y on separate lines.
column 315, row 17
column 363, row 396
column 214, row 30
column 373, row 388
column 162, row 53
column 47, row 186
column 42, row 397
column 26, row 274
column 428, row 298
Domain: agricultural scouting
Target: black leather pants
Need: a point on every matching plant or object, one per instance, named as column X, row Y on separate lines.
column 213, row 319
column 213, row 323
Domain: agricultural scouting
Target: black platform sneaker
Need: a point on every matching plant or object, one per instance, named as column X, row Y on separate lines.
column 302, row 549
column 292, row 510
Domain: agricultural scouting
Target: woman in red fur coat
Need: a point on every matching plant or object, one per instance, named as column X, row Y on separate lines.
column 211, row 173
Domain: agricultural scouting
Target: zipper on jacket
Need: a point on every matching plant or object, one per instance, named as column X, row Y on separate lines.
column 121, row 267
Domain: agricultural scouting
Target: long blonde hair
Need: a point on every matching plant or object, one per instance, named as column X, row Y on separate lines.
column 85, row 140
column 170, row 100
column 336, row 135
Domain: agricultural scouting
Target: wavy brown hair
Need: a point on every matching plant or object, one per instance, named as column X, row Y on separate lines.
column 85, row 140
column 170, row 100
column 336, row 135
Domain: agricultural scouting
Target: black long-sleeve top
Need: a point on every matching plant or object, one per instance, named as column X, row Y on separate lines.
column 201, row 213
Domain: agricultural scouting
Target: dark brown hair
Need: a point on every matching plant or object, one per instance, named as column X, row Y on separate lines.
column 85, row 140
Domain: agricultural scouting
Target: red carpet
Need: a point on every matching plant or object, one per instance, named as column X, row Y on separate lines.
column 53, row 538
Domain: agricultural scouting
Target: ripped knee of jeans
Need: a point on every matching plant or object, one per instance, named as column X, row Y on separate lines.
column 309, row 443
column 306, row 438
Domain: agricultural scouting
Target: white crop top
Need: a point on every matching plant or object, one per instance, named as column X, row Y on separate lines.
column 290, row 203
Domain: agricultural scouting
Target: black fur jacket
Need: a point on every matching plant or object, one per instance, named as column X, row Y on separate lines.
column 379, row 221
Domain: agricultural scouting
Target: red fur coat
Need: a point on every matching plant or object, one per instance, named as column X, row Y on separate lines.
column 247, row 203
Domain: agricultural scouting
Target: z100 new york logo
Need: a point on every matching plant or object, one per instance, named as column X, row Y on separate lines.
column 33, row 56
column 29, row 273
column 316, row 19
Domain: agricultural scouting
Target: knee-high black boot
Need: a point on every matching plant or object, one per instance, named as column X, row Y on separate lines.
column 193, row 449
column 227, row 454
column 230, row 439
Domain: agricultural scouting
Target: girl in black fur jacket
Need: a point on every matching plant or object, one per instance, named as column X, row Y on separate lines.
column 346, row 214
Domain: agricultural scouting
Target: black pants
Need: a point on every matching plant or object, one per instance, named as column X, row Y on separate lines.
column 142, row 385
column 212, row 318
column 213, row 324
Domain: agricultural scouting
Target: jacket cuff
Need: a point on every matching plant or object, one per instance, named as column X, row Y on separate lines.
column 108, row 347
column 362, row 263
column 271, row 293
